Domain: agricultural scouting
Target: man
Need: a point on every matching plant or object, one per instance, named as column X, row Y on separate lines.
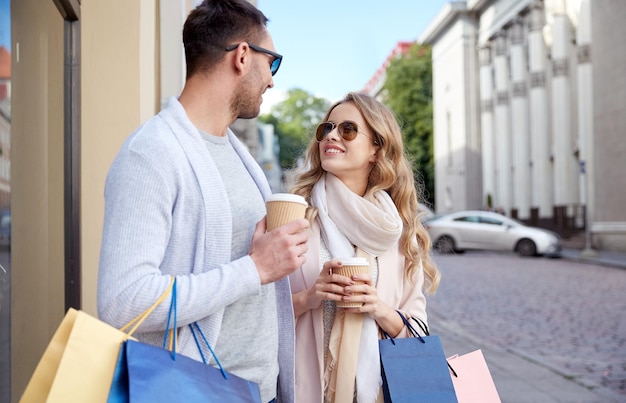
column 183, row 197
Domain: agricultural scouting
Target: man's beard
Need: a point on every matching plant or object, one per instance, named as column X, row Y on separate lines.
column 245, row 102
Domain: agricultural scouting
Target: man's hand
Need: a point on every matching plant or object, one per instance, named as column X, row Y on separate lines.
column 279, row 252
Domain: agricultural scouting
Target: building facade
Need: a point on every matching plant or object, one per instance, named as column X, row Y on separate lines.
column 527, row 97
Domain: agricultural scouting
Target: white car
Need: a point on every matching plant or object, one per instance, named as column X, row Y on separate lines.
column 425, row 212
column 485, row 230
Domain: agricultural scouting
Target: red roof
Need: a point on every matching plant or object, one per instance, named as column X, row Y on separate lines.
column 5, row 63
column 401, row 48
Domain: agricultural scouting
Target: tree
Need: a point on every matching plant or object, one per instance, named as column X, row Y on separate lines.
column 295, row 120
column 408, row 92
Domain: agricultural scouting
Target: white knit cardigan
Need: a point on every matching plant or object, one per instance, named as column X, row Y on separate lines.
column 167, row 213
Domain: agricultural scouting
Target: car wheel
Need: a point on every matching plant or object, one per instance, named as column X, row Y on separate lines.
column 526, row 247
column 445, row 244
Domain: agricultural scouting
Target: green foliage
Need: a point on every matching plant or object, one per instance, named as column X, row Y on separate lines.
column 408, row 92
column 295, row 120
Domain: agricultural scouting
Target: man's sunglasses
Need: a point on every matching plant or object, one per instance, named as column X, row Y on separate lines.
column 346, row 129
column 275, row 63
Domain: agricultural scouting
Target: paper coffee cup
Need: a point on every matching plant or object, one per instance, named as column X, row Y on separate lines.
column 351, row 266
column 283, row 208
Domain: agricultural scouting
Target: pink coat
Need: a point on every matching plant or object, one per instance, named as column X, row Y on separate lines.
column 392, row 288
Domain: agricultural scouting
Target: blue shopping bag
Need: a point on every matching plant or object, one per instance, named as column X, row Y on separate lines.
column 151, row 374
column 415, row 369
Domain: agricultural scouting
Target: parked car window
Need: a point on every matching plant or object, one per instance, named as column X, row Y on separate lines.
column 487, row 220
column 467, row 219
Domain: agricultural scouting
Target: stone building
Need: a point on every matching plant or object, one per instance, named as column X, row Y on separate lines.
column 529, row 102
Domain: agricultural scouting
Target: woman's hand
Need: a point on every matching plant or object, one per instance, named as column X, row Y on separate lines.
column 385, row 316
column 363, row 291
column 328, row 286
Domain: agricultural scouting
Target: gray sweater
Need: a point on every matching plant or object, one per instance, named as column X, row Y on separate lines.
column 167, row 213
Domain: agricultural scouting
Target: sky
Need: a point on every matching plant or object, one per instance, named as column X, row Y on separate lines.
column 331, row 47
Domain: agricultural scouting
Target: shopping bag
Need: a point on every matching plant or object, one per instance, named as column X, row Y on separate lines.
column 472, row 380
column 415, row 369
column 151, row 374
column 78, row 364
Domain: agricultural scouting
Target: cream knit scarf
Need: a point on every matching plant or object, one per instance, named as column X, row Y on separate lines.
column 372, row 225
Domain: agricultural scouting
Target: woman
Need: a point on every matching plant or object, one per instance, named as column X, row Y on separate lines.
column 364, row 203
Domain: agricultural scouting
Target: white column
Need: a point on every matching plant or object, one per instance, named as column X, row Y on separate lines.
column 585, row 118
column 585, row 113
column 565, row 164
column 486, row 124
column 519, row 128
column 541, row 167
column 502, row 133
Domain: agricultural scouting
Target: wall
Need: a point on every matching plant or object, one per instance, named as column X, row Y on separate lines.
column 37, row 264
column 456, row 144
column 118, row 91
column 608, row 56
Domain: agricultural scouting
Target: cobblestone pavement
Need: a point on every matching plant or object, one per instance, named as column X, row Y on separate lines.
column 568, row 316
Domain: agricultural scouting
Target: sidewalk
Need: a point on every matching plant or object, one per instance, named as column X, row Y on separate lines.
column 601, row 257
column 518, row 378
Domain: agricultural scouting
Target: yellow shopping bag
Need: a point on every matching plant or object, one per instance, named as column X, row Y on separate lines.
column 78, row 364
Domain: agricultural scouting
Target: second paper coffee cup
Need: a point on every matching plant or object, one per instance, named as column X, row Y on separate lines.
column 351, row 266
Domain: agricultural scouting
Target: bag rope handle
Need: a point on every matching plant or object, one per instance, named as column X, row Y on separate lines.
column 224, row 373
column 424, row 328
column 413, row 332
column 171, row 334
column 422, row 325
column 139, row 319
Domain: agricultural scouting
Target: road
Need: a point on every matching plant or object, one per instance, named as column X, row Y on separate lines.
column 563, row 317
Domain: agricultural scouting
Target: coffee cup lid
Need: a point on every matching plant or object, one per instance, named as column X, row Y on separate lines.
column 354, row 261
column 289, row 197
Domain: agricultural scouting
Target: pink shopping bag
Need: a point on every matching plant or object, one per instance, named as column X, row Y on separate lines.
column 473, row 382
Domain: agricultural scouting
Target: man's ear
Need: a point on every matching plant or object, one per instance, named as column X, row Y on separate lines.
column 242, row 58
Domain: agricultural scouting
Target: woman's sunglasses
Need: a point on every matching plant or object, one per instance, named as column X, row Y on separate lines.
column 346, row 129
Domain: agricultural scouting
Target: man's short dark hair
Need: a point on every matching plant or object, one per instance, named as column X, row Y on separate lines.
column 214, row 25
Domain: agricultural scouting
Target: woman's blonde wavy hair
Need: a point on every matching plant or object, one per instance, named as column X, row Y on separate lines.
column 391, row 173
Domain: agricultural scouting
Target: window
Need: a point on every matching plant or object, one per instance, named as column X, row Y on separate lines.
column 489, row 220
column 470, row 218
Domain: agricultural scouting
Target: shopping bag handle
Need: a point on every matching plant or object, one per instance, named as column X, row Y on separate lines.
column 139, row 319
column 206, row 342
column 424, row 328
column 170, row 334
column 408, row 325
column 422, row 325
